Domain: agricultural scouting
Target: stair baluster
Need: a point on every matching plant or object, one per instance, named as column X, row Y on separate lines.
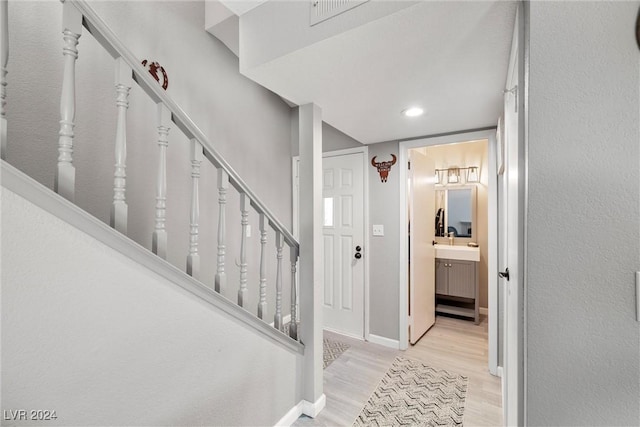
column 159, row 243
column 277, row 317
column 293, row 326
column 245, row 202
column 124, row 79
column 66, row 173
column 223, row 185
column 4, row 60
column 262, row 305
column 193, row 259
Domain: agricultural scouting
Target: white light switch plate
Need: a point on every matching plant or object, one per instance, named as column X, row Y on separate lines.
column 248, row 230
column 378, row 230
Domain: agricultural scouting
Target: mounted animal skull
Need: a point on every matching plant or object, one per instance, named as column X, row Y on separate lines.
column 384, row 167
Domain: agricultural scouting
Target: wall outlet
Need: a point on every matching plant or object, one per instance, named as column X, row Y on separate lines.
column 378, row 230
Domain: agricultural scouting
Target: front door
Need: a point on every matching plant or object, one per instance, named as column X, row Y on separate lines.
column 344, row 251
column 422, row 273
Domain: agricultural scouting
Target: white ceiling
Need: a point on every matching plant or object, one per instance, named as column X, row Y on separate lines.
column 448, row 57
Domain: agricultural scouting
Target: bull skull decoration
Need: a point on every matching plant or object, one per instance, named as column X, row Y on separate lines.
column 153, row 68
column 384, row 167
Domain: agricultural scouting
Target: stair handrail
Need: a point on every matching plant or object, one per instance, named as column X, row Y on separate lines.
column 112, row 44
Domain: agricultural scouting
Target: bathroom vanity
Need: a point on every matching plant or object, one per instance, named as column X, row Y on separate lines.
column 457, row 280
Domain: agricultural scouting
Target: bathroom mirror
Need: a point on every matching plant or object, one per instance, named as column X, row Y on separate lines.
column 455, row 213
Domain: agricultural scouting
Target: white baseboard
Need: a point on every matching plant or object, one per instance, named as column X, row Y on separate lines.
column 291, row 416
column 484, row 310
column 387, row 342
column 303, row 407
column 313, row 409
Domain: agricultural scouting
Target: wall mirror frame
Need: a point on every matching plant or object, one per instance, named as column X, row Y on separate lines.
column 456, row 212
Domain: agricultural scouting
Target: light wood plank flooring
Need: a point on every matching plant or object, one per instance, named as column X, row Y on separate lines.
column 456, row 345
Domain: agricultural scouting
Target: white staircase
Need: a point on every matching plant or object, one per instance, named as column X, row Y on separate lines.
column 20, row 190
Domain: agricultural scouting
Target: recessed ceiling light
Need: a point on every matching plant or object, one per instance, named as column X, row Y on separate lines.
column 413, row 112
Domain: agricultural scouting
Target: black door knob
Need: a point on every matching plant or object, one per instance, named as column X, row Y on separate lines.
column 358, row 248
column 358, row 255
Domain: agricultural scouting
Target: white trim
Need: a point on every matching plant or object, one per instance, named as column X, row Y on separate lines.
column 387, row 342
column 26, row 187
column 404, row 146
column 291, row 416
column 364, row 150
column 485, row 311
column 499, row 371
column 345, row 334
column 303, row 407
column 313, row 409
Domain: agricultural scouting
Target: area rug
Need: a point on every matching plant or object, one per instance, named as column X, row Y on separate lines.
column 412, row 393
column 331, row 349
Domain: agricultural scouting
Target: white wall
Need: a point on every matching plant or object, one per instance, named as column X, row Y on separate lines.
column 583, row 237
column 248, row 125
column 102, row 341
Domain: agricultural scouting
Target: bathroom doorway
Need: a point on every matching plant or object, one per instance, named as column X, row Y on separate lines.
column 463, row 222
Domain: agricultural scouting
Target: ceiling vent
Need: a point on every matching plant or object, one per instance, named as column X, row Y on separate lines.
column 321, row 10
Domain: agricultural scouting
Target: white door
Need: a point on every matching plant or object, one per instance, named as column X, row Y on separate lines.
column 344, row 251
column 422, row 293
column 513, row 385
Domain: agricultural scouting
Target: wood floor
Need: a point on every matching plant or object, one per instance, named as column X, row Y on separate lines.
column 456, row 345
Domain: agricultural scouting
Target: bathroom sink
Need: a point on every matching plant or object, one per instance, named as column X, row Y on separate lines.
column 462, row 253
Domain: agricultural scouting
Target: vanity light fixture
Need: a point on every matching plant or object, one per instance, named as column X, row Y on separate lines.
column 413, row 112
column 472, row 174
column 440, row 176
column 453, row 176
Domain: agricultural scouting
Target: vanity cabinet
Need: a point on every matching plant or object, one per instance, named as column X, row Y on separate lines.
column 457, row 287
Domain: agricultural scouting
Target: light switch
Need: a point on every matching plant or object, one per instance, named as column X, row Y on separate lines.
column 248, row 230
column 378, row 230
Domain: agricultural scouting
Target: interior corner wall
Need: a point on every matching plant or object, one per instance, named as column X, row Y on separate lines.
column 247, row 124
column 384, row 270
column 582, row 361
column 332, row 138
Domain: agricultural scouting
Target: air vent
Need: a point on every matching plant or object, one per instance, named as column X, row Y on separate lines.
column 321, row 10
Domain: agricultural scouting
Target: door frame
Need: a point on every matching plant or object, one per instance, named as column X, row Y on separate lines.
column 492, row 206
column 364, row 150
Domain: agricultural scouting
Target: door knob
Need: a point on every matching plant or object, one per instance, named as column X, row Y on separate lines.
column 358, row 255
column 504, row 274
column 358, row 248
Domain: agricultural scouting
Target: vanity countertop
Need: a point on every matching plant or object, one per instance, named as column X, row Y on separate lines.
column 462, row 253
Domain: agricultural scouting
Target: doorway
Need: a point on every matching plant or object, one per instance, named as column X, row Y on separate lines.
column 345, row 294
column 490, row 216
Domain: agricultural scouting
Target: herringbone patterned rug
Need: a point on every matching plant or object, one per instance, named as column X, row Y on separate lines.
column 331, row 350
column 414, row 394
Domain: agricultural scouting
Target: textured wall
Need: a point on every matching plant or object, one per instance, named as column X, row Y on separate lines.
column 384, row 200
column 583, row 342
column 90, row 334
column 247, row 124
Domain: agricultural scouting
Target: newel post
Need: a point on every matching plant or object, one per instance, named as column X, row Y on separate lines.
column 65, row 179
column 310, row 261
